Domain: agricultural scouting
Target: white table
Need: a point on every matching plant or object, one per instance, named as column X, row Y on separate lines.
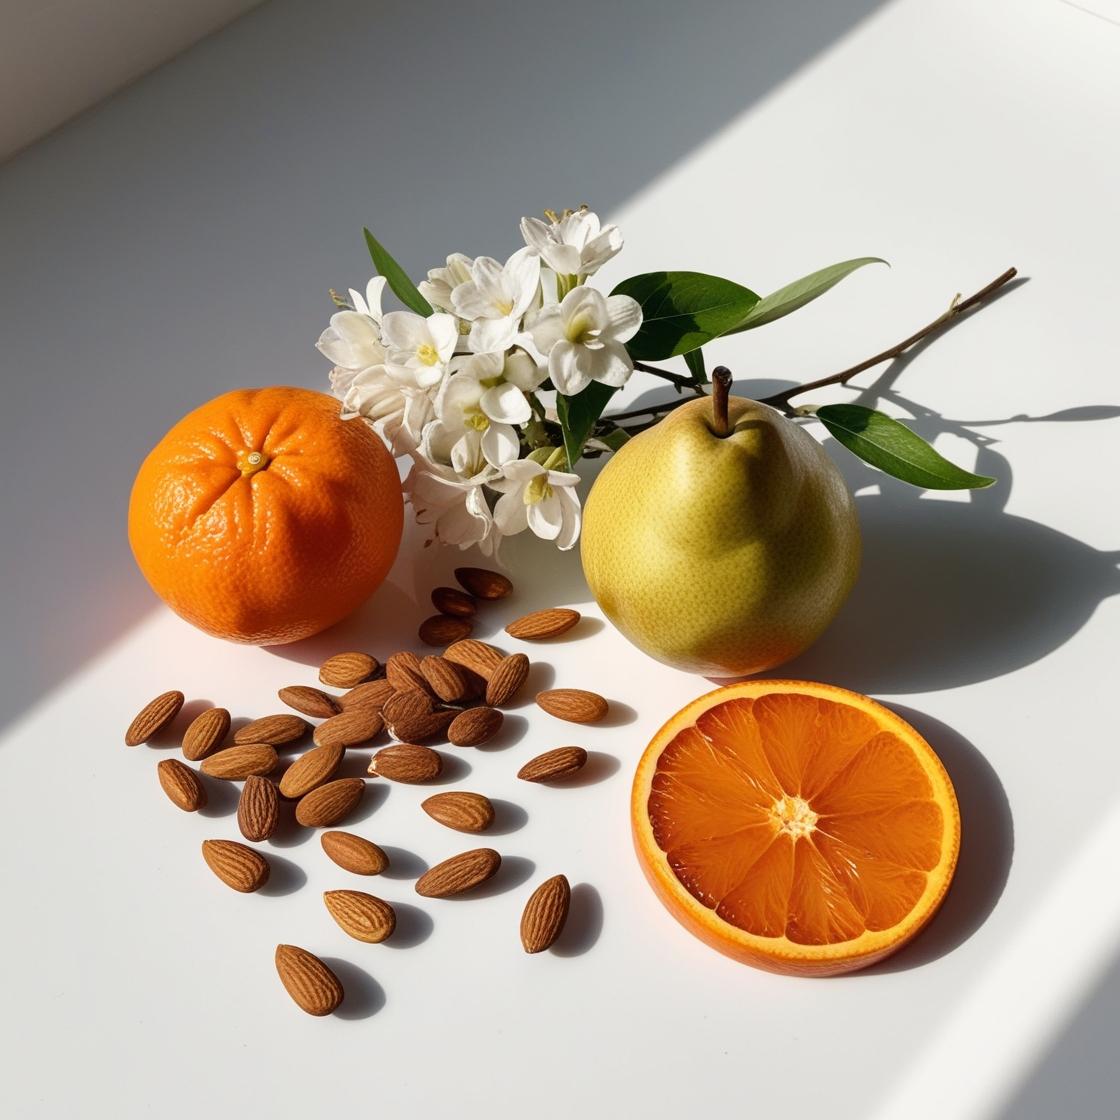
column 179, row 240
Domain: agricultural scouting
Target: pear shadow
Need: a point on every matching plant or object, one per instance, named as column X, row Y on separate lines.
column 508, row 817
column 284, row 877
column 584, row 925
column 414, row 927
column 403, row 864
column 514, row 871
column 987, row 847
column 598, row 767
column 363, row 996
column 509, row 734
column 221, row 798
column 171, row 734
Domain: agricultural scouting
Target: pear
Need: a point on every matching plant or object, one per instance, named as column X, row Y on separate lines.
column 723, row 540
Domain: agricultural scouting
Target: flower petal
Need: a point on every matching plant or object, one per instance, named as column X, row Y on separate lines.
column 506, row 404
column 500, row 445
column 564, row 368
column 570, row 511
column 624, row 317
column 522, row 370
column 546, row 328
column 609, row 363
column 545, row 517
column 404, row 330
column 492, row 335
column 445, row 333
column 511, row 513
column 521, row 278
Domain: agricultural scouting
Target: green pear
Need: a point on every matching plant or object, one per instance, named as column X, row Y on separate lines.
column 722, row 540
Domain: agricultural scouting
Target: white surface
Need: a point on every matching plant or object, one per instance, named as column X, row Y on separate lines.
column 58, row 57
column 953, row 146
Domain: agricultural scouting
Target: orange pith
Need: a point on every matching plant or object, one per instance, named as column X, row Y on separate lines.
column 795, row 826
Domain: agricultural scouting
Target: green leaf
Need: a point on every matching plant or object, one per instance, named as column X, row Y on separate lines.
column 615, row 438
column 694, row 359
column 894, row 448
column 397, row 278
column 578, row 414
column 800, row 292
column 683, row 310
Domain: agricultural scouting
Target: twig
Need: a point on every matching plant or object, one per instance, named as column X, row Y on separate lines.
column 678, row 379
column 957, row 308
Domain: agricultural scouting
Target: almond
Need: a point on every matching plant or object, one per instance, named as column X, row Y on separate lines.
column 459, row 873
column 329, row 804
column 354, row 853
column 446, row 679
column 443, row 629
column 152, row 716
column 307, row 980
column 205, row 733
column 506, row 680
column 450, row 600
column 182, row 785
column 258, row 809
column 363, row 916
column 483, row 583
column 411, row 717
column 553, row 765
column 419, row 729
column 274, row 730
column 406, row 703
column 345, row 670
column 369, row 694
column 402, row 671
column 310, row 770
column 545, row 914
column 465, row 812
column 236, row 865
column 348, row 729
column 543, row 624
column 235, row 764
column 311, row 701
column 573, row 704
column 475, row 726
column 406, row 762
column 474, row 655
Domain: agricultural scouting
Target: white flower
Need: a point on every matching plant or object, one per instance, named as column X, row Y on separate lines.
column 437, row 288
column 495, row 298
column 455, row 508
column 397, row 415
column 418, row 349
column 464, row 435
column 572, row 244
column 370, row 303
column 583, row 336
column 351, row 341
column 542, row 500
column 506, row 380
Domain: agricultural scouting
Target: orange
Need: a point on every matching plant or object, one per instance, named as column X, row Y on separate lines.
column 798, row 827
column 263, row 517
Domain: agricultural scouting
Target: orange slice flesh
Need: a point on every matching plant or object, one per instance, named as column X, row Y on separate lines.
column 795, row 826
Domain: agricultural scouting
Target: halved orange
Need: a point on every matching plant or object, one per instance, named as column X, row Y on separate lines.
column 798, row 827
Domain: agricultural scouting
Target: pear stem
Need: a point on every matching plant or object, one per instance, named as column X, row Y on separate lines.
column 721, row 390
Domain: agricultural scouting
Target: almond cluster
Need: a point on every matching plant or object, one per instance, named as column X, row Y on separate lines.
column 417, row 702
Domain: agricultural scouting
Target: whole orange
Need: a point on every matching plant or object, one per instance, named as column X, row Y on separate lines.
column 263, row 517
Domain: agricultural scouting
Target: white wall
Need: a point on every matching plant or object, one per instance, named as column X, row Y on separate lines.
column 58, row 57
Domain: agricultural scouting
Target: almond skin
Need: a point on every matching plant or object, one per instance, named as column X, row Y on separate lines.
column 310, row 770
column 354, row 853
column 459, row 873
column 369, row 694
column 475, row 726
column 545, row 914
column 406, row 762
column 573, row 704
column 313, row 987
column 411, row 717
column 236, row 865
column 345, row 670
column 446, row 679
column 235, row 764
column 154, row 715
column 543, row 624
column 327, row 805
column 258, row 809
column 443, row 629
column 553, row 765
column 205, row 733
column 506, row 680
column 483, row 583
column 464, row 812
column 312, row 702
column 348, row 729
column 402, row 671
column 477, row 656
column 274, row 730
column 419, row 729
column 450, row 600
column 182, row 785
column 363, row 916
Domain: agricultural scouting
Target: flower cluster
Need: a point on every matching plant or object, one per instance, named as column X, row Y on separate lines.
column 462, row 390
